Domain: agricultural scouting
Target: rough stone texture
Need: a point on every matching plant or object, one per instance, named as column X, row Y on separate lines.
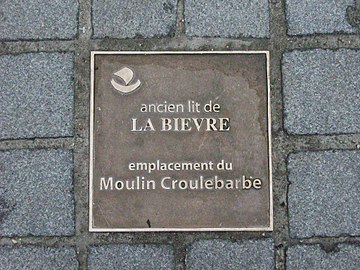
column 131, row 257
column 321, row 91
column 318, row 16
column 35, row 258
column 313, row 257
column 324, row 193
column 38, row 19
column 219, row 254
column 231, row 18
column 36, row 192
column 132, row 18
column 36, row 95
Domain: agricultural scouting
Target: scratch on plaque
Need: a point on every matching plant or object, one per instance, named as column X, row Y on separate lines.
column 219, row 94
column 202, row 142
column 101, row 212
column 148, row 223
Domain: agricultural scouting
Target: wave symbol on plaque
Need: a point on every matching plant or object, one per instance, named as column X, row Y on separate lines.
column 126, row 77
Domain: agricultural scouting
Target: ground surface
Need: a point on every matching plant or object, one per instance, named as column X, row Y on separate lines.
column 44, row 132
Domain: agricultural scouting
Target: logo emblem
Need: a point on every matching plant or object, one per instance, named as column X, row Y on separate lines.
column 126, row 75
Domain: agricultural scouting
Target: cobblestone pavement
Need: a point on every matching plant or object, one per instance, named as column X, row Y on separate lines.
column 44, row 132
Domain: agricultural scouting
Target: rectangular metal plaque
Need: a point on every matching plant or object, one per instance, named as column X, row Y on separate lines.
column 180, row 141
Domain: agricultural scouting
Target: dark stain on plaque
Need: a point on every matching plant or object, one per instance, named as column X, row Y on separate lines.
column 180, row 140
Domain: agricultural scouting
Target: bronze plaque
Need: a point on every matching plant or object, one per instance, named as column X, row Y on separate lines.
column 180, row 141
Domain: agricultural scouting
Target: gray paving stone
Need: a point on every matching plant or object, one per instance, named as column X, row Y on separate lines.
column 36, row 95
column 231, row 18
column 321, row 91
column 226, row 255
column 38, row 19
column 131, row 257
column 36, row 258
column 133, row 18
column 36, row 192
column 314, row 258
column 324, row 193
column 318, row 16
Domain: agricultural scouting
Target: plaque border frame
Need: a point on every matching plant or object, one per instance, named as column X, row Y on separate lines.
column 91, row 138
